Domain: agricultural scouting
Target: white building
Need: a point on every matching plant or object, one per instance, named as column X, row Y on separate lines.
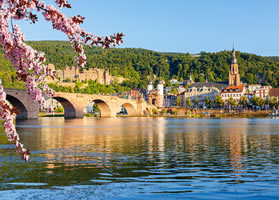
column 201, row 91
column 174, row 81
column 180, row 89
column 160, row 87
column 149, row 87
column 262, row 91
column 253, row 87
column 236, row 92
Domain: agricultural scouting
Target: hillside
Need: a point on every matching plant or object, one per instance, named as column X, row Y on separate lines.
column 138, row 64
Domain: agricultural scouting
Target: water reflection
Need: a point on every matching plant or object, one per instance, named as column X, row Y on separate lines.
column 170, row 156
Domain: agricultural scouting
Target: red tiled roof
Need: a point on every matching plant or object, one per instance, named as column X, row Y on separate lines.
column 232, row 89
column 274, row 92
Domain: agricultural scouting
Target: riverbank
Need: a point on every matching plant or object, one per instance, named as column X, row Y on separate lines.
column 189, row 114
column 51, row 115
column 208, row 114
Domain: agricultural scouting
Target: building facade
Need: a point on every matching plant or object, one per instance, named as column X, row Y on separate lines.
column 169, row 100
column 274, row 93
column 201, row 91
column 253, row 87
column 155, row 96
column 262, row 91
column 236, row 92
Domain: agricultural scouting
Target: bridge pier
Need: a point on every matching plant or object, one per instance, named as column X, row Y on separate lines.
column 20, row 99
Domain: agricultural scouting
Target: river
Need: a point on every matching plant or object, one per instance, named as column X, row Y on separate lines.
column 143, row 158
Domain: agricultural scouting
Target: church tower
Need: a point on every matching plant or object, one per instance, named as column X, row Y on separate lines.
column 160, row 87
column 149, row 87
column 234, row 77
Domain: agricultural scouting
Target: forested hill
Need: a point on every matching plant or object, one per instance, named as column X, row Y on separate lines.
column 137, row 64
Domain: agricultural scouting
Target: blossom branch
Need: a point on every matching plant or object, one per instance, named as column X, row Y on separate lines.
column 29, row 63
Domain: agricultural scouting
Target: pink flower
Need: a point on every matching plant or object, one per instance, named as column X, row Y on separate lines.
column 28, row 62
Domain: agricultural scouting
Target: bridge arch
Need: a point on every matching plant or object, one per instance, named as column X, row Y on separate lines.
column 105, row 110
column 130, row 109
column 69, row 109
column 23, row 113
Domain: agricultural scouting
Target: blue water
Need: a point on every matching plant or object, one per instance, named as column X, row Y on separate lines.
column 143, row 158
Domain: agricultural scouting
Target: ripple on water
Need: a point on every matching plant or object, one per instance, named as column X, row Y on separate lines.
column 140, row 158
column 27, row 184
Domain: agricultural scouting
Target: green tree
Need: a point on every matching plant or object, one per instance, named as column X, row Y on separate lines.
column 258, row 101
column 188, row 103
column 177, row 102
column 232, row 102
column 154, row 111
column 96, row 109
column 272, row 102
column 137, row 65
column 168, row 83
column 174, row 90
column 196, row 102
column 219, row 101
column 243, row 101
column 164, row 111
column 250, row 78
column 174, row 112
column 207, row 102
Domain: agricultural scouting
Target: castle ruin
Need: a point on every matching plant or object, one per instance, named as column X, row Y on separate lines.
column 102, row 76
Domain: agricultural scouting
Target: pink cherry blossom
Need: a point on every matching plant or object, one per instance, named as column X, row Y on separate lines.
column 29, row 63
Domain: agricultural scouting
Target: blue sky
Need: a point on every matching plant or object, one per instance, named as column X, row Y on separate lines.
column 177, row 25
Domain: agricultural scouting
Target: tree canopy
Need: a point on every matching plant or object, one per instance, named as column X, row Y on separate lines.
column 139, row 65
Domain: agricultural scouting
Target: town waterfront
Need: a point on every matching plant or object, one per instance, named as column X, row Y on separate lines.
column 143, row 158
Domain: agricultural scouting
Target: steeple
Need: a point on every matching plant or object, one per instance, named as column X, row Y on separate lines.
column 234, row 77
column 149, row 86
column 191, row 79
column 234, row 60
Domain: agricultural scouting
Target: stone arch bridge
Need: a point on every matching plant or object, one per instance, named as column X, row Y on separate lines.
column 75, row 103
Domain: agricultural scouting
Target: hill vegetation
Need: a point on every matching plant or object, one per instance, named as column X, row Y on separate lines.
column 138, row 65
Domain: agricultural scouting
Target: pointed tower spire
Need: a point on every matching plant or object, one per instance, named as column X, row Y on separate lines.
column 234, row 77
column 234, row 60
column 191, row 79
